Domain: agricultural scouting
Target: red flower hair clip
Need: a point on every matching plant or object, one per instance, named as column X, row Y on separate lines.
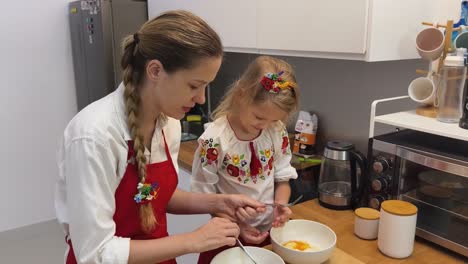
column 273, row 82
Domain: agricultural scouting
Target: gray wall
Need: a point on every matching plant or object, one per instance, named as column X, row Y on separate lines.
column 339, row 91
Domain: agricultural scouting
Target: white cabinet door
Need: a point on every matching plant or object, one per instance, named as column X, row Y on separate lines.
column 312, row 25
column 371, row 30
column 234, row 21
column 185, row 223
column 393, row 25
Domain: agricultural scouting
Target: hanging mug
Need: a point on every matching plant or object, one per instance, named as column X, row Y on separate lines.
column 423, row 90
column 461, row 41
column 430, row 43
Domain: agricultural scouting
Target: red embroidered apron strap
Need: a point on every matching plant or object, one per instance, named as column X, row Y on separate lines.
column 126, row 215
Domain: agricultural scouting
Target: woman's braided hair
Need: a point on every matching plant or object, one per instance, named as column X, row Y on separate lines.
column 178, row 39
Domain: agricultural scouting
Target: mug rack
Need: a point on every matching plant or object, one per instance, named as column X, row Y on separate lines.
column 431, row 111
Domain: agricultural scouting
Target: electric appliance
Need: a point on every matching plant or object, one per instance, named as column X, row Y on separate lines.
column 429, row 171
column 97, row 28
column 340, row 185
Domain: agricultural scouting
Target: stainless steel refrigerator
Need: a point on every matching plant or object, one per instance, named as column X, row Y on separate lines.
column 97, row 28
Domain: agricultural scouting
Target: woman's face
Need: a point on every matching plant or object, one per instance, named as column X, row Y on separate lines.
column 176, row 93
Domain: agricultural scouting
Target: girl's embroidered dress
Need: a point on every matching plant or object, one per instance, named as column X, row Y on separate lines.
column 225, row 164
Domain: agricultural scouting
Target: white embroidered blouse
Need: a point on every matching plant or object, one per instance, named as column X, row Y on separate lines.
column 222, row 164
column 92, row 160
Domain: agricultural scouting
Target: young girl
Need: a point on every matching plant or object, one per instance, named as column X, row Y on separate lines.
column 246, row 149
column 117, row 161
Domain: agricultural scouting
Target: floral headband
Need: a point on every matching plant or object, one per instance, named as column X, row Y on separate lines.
column 273, row 83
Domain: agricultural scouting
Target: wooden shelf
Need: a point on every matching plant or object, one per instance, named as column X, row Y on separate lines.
column 411, row 120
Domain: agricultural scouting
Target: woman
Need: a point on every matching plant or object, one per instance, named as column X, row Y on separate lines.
column 117, row 174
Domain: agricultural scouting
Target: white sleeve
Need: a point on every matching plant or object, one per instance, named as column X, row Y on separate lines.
column 174, row 136
column 205, row 166
column 90, row 171
column 282, row 163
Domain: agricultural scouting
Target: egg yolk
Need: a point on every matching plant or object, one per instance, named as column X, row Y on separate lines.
column 297, row 245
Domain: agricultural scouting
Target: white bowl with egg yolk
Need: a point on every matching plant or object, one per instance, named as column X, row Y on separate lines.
column 313, row 242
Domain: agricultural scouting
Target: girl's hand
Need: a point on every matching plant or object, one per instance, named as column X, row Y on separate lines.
column 281, row 215
column 216, row 233
column 252, row 235
column 240, row 207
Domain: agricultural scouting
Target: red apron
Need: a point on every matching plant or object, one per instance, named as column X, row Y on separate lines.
column 126, row 216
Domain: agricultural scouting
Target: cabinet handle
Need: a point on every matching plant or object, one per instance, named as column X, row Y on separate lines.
column 437, row 162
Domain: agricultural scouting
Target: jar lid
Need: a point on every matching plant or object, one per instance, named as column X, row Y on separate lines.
column 340, row 145
column 367, row 213
column 398, row 207
column 454, row 61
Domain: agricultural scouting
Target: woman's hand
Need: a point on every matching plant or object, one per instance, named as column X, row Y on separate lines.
column 239, row 207
column 281, row 215
column 216, row 233
column 252, row 235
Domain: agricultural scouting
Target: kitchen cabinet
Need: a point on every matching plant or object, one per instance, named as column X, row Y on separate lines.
column 393, row 25
column 369, row 30
column 234, row 21
column 312, row 25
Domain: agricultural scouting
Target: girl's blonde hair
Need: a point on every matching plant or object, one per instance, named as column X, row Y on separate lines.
column 179, row 40
column 248, row 89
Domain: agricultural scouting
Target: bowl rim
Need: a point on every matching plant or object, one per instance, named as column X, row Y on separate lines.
column 255, row 248
column 305, row 220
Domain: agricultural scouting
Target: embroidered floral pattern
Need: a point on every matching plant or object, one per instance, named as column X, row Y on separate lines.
column 270, row 163
column 285, row 149
column 267, row 153
column 267, row 160
column 237, row 166
column 209, row 152
column 146, row 192
column 235, row 159
column 232, row 170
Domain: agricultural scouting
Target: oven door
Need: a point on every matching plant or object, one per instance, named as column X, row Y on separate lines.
column 438, row 186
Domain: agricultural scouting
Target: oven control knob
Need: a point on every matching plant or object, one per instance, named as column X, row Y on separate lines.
column 380, row 184
column 376, row 201
column 380, row 165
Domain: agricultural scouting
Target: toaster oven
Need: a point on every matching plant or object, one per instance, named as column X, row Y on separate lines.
column 429, row 171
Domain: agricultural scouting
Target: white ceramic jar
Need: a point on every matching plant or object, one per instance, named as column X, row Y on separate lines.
column 397, row 228
column 366, row 223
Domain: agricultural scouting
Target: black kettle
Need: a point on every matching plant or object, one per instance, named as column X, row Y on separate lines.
column 340, row 187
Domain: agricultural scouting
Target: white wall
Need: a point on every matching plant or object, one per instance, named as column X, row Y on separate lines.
column 37, row 100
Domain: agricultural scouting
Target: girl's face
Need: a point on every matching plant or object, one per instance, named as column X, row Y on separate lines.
column 258, row 116
column 176, row 93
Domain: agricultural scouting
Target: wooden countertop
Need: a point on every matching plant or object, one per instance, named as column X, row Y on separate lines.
column 186, row 152
column 187, row 149
column 342, row 222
